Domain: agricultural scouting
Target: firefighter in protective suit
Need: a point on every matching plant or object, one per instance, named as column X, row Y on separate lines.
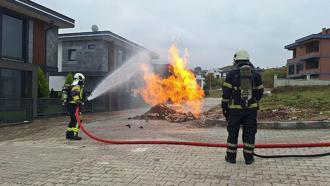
column 242, row 90
column 75, row 100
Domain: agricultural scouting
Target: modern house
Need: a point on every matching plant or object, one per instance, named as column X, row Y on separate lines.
column 96, row 54
column 28, row 35
column 310, row 56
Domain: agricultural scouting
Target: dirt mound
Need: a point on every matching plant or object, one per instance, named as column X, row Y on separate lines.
column 279, row 114
column 163, row 112
column 213, row 113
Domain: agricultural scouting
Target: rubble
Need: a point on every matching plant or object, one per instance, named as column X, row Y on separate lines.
column 276, row 114
column 213, row 113
column 163, row 112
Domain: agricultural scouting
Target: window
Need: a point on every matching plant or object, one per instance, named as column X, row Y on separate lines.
column 11, row 83
column 312, row 64
column 91, row 46
column 312, row 47
column 291, row 69
column 72, row 54
column 300, row 67
column 314, row 76
column 12, row 44
column 120, row 58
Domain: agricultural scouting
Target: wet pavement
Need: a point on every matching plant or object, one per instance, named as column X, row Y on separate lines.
column 38, row 154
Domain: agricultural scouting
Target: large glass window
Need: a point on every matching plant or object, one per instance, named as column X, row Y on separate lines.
column 12, row 37
column 300, row 67
column 11, row 83
column 312, row 47
column 312, row 63
column 291, row 69
column 120, row 58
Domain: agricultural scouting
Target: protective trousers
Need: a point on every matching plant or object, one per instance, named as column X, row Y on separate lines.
column 247, row 118
column 73, row 127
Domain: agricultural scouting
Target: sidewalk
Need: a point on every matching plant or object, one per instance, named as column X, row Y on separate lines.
column 38, row 154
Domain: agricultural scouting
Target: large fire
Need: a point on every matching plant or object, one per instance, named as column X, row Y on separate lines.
column 180, row 88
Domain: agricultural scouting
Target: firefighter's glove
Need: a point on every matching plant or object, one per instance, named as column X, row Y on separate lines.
column 85, row 96
column 225, row 113
column 80, row 103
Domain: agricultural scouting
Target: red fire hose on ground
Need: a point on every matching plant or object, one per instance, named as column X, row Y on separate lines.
column 204, row 144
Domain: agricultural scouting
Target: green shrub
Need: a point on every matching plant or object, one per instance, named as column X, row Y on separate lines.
column 69, row 78
column 268, row 76
column 43, row 86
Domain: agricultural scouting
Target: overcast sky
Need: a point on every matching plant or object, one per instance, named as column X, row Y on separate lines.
column 212, row 30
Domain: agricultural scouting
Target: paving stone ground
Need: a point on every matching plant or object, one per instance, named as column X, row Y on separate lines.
column 38, row 154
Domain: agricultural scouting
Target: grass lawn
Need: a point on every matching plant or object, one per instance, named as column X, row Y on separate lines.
column 313, row 101
column 297, row 103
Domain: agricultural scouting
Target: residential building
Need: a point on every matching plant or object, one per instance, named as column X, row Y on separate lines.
column 310, row 56
column 28, row 35
column 96, row 54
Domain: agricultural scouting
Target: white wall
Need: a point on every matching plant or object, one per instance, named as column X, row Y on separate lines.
column 56, row 82
column 299, row 82
column 59, row 58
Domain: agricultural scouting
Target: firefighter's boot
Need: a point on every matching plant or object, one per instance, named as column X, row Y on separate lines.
column 248, row 157
column 231, row 152
column 230, row 157
column 69, row 134
column 248, row 153
column 76, row 137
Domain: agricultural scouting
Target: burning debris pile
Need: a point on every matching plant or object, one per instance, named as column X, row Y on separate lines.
column 180, row 87
column 163, row 112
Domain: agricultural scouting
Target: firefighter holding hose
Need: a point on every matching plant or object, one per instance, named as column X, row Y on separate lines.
column 73, row 98
column 242, row 90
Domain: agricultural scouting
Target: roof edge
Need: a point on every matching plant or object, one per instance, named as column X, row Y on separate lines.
column 306, row 38
column 105, row 33
column 41, row 12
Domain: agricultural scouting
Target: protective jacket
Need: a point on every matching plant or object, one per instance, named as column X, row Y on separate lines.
column 232, row 98
column 76, row 95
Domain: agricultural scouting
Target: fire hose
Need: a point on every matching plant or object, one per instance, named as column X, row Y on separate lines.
column 204, row 144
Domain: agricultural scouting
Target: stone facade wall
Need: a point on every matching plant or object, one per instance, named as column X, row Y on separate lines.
column 52, row 44
column 91, row 55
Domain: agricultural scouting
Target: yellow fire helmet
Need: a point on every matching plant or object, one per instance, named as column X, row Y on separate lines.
column 241, row 55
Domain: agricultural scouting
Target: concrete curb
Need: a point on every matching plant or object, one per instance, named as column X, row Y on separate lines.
column 277, row 124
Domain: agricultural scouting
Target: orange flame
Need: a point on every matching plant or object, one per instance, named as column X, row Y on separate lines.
column 180, row 88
